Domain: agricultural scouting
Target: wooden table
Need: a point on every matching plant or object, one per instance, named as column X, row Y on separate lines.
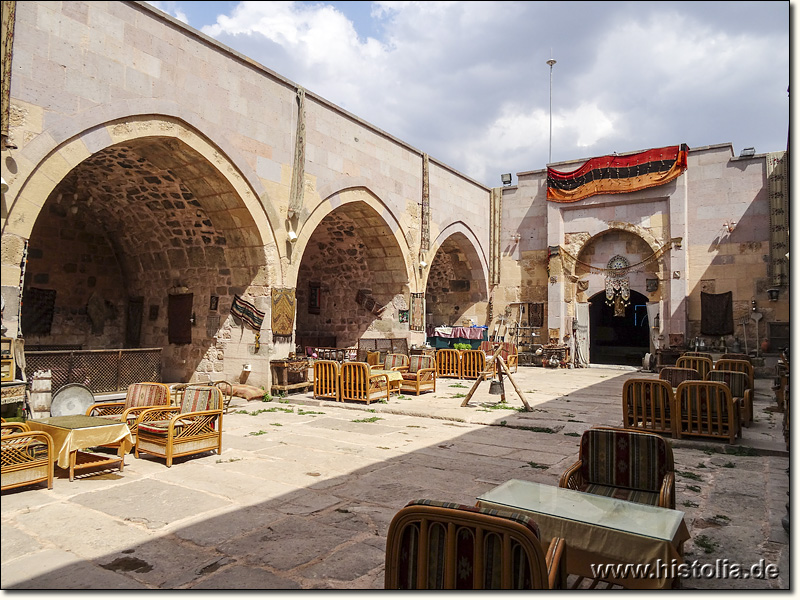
column 71, row 434
column 599, row 529
column 290, row 375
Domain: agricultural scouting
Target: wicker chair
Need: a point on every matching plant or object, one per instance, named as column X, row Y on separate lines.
column 473, row 363
column 326, row 379
column 647, row 405
column 191, row 428
column 138, row 398
column 706, row 409
column 627, row 464
column 677, row 375
column 27, row 456
column 701, row 364
column 448, row 363
column 437, row 545
column 742, row 394
column 421, row 375
column 357, row 383
column 699, row 355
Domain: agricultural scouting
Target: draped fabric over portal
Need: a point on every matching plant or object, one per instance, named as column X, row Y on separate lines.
column 617, row 174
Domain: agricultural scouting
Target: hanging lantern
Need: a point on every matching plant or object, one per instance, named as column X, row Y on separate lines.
column 618, row 287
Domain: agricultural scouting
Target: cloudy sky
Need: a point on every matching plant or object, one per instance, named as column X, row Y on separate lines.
column 468, row 82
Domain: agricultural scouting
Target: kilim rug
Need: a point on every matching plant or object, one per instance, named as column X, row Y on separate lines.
column 283, row 309
column 417, row 312
column 248, row 313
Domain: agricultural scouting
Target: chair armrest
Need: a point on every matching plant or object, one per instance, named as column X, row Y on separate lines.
column 403, row 369
column 555, row 560
column 100, row 409
column 666, row 496
column 208, row 416
column 137, row 410
column 11, row 427
column 572, row 478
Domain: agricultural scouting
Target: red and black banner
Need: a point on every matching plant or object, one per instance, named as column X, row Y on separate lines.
column 617, row 174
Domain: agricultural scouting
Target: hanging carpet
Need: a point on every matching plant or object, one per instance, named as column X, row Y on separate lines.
column 283, row 309
column 248, row 313
column 716, row 313
column 617, row 174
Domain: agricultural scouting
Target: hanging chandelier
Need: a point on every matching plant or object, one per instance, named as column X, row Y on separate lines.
column 618, row 287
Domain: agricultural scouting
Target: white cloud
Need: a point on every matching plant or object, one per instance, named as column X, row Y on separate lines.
column 467, row 81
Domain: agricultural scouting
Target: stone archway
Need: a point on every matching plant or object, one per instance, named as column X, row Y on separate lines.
column 156, row 213
column 618, row 339
column 456, row 287
column 353, row 265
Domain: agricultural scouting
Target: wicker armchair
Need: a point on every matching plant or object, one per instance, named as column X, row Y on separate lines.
column 357, row 383
column 742, row 393
column 326, row 379
column 701, row 364
column 647, row 405
column 437, row 545
column 226, row 388
column 421, row 375
column 27, row 456
column 706, row 409
column 630, row 465
column 448, row 363
column 473, row 363
column 138, row 398
column 191, row 428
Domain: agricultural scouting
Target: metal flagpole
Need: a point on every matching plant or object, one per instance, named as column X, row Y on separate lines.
column 551, row 62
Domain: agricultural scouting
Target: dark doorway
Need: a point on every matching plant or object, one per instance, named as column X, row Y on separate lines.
column 179, row 314
column 622, row 340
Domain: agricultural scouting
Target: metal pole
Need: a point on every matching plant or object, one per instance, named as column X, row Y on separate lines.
column 551, row 62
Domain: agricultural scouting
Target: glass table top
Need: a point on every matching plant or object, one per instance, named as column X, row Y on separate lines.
column 621, row 515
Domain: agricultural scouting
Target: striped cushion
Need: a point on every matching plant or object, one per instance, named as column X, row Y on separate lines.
column 465, row 548
column 200, row 397
column 737, row 382
column 157, row 427
column 394, row 360
column 624, row 459
column 146, row 394
column 421, row 361
column 639, row 496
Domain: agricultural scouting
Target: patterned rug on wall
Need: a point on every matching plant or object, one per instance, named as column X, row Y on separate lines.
column 283, row 309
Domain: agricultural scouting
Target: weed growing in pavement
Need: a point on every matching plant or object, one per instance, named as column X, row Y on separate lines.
column 700, row 466
column 742, row 451
column 572, row 434
column 300, row 411
column 368, row 420
column 721, row 519
column 690, row 504
column 277, row 424
column 689, row 475
column 219, row 460
column 253, row 413
column 401, row 397
column 693, row 488
column 705, row 543
column 504, row 406
column 729, row 465
column 457, row 385
column 259, row 432
column 574, row 421
column 458, row 396
column 534, row 465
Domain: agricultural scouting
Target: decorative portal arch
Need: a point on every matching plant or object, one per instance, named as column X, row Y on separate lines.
column 621, row 338
column 144, row 209
column 457, row 279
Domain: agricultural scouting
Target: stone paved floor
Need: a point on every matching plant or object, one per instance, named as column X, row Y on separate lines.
column 303, row 492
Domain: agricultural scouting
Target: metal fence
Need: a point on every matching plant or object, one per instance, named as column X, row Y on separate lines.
column 99, row 370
